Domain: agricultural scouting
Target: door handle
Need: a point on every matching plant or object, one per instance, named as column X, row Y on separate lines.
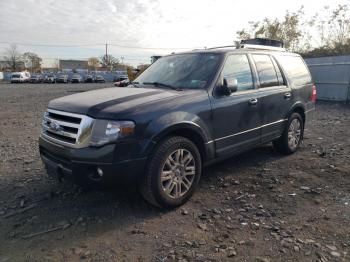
column 287, row 95
column 253, row 101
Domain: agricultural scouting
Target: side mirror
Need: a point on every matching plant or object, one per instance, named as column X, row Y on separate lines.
column 230, row 85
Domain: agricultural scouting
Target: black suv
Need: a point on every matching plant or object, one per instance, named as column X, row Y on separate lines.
column 185, row 111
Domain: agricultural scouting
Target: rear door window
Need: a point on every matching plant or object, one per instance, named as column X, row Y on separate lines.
column 266, row 70
column 295, row 69
column 278, row 72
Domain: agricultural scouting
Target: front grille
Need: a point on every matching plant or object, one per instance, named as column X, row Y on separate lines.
column 73, row 130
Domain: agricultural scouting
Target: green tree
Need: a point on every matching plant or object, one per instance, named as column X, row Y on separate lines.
column 287, row 30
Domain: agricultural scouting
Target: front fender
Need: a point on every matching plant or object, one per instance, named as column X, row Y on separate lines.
column 174, row 121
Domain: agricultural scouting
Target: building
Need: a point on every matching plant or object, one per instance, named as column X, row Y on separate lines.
column 5, row 66
column 72, row 64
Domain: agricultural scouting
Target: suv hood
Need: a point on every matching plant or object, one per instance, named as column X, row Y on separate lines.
column 93, row 102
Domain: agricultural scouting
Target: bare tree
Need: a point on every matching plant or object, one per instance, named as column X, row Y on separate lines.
column 94, row 62
column 33, row 60
column 12, row 56
column 56, row 64
column 331, row 32
column 110, row 61
column 334, row 25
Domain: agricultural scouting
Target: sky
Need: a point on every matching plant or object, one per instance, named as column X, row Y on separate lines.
column 133, row 29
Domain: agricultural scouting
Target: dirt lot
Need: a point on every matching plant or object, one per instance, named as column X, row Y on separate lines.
column 259, row 206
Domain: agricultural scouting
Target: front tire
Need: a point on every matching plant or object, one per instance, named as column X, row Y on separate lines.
column 292, row 135
column 172, row 174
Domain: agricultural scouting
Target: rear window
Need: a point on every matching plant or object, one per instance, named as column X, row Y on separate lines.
column 16, row 76
column 295, row 69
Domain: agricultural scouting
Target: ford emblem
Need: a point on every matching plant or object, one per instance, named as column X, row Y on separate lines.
column 55, row 127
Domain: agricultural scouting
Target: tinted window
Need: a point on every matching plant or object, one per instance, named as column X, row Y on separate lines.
column 237, row 66
column 266, row 71
column 278, row 72
column 295, row 69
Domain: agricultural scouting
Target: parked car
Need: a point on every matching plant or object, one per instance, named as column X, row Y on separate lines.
column 89, row 79
column 50, row 79
column 36, row 79
column 20, row 77
column 99, row 79
column 186, row 111
column 76, row 78
column 122, row 81
column 62, row 79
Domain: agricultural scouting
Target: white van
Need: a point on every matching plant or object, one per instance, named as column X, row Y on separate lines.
column 20, row 77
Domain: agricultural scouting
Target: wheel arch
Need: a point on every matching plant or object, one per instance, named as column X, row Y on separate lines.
column 191, row 131
column 298, row 108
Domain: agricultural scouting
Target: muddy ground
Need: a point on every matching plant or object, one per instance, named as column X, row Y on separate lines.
column 259, row 206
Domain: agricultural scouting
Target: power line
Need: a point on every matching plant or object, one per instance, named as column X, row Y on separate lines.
column 112, row 44
column 155, row 48
column 49, row 45
column 86, row 58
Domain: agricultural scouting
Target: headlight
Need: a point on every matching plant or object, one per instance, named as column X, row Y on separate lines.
column 105, row 131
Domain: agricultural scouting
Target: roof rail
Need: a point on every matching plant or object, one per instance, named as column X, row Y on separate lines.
column 226, row 46
column 263, row 47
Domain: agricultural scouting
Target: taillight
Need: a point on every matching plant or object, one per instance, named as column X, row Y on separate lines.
column 313, row 94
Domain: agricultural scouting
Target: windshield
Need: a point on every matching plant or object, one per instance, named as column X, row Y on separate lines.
column 184, row 71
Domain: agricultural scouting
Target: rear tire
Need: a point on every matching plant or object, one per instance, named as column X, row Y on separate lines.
column 292, row 135
column 172, row 174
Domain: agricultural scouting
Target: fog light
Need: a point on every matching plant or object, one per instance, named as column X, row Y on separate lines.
column 99, row 172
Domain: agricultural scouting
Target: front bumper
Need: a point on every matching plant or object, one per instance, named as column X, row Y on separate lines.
column 81, row 165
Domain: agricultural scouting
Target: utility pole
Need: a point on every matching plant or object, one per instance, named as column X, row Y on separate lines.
column 106, row 54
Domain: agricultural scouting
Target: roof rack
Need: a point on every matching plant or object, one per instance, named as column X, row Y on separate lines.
column 263, row 43
column 256, row 43
column 262, row 47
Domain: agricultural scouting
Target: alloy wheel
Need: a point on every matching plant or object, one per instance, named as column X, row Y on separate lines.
column 294, row 133
column 178, row 173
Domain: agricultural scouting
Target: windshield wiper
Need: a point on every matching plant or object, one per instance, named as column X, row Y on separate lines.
column 161, row 84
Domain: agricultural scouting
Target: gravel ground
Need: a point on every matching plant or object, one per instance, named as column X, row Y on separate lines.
column 259, row 206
